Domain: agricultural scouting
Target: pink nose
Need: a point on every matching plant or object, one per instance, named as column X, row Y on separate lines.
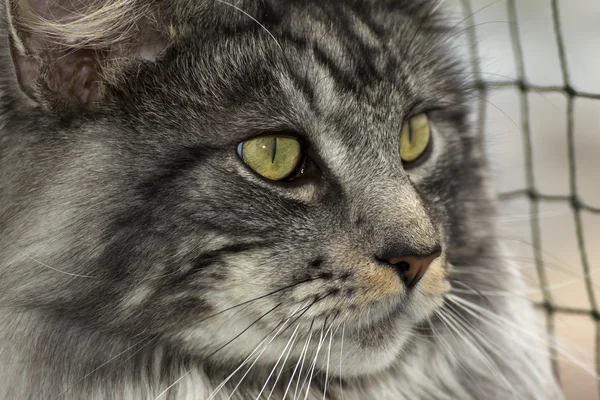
column 413, row 268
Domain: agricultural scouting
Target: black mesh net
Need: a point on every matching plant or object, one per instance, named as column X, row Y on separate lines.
column 530, row 192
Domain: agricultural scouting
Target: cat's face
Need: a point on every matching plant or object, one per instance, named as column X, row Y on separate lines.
column 186, row 242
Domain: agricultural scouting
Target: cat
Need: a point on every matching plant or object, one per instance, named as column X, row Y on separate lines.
column 250, row 199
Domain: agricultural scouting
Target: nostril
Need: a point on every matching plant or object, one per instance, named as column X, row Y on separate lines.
column 412, row 268
column 402, row 267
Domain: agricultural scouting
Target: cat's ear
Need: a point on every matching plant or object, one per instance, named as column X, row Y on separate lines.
column 67, row 52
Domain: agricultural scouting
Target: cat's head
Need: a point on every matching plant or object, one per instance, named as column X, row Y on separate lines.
column 215, row 173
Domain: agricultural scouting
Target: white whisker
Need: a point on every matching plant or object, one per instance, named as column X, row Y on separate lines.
column 263, row 350
column 471, row 340
column 314, row 363
column 277, row 362
column 300, row 358
column 109, row 361
column 341, row 358
column 48, row 266
column 311, row 367
column 283, row 365
column 218, row 388
column 253, row 19
column 495, row 347
column 327, row 370
column 173, row 384
column 502, row 324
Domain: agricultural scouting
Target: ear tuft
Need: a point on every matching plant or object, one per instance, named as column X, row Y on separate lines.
column 67, row 51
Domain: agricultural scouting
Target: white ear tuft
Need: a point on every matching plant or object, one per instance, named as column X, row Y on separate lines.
column 69, row 49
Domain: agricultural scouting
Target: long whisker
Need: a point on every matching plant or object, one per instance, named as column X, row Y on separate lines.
column 341, row 358
column 492, row 345
column 452, row 351
column 314, row 364
column 244, row 331
column 441, row 337
column 327, row 370
column 253, row 19
column 256, row 348
column 496, row 325
column 48, row 266
column 279, row 332
column 556, row 266
column 173, row 384
column 300, row 358
column 309, row 368
column 470, row 16
column 222, row 384
column 495, row 347
column 434, row 7
column 283, row 364
column 472, row 341
column 108, row 362
column 277, row 362
column 219, row 349
column 259, row 297
column 511, row 293
column 502, row 323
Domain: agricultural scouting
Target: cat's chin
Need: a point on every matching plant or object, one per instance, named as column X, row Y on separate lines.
column 369, row 355
column 369, row 350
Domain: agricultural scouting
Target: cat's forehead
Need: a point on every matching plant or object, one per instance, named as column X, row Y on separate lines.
column 329, row 70
column 335, row 56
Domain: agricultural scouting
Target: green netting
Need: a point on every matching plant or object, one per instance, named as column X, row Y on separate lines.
column 530, row 192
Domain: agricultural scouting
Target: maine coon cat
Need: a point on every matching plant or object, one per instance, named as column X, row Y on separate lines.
column 249, row 199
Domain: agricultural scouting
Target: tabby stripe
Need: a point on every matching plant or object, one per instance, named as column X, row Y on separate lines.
column 201, row 262
column 341, row 77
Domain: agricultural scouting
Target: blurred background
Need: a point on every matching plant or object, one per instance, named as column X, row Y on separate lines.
column 540, row 113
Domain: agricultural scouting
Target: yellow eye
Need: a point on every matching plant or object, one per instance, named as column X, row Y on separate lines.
column 272, row 157
column 414, row 138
